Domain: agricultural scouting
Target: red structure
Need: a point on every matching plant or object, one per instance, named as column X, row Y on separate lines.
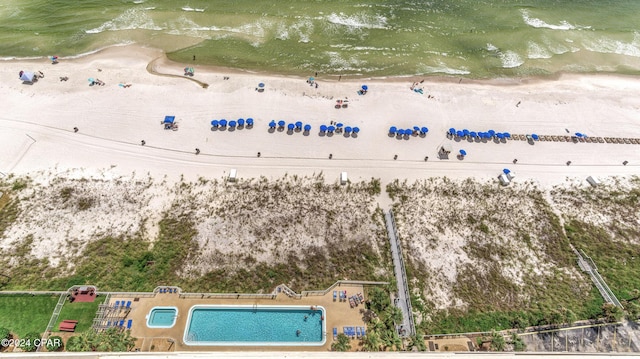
column 83, row 294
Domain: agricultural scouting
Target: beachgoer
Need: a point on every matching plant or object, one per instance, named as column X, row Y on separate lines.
column 426, row 158
column 330, row 155
column 395, row 157
column 515, row 160
column 143, row 142
column 568, row 163
column 339, row 77
column 259, row 154
column 625, row 162
column 298, row 332
column 316, row 85
column 518, row 104
column 194, row 57
column 197, row 151
column 316, row 74
column 75, row 129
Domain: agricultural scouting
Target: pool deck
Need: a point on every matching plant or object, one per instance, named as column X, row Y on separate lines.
column 338, row 314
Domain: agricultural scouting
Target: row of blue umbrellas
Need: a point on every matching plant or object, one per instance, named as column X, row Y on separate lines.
column 339, row 126
column 394, row 130
column 240, row 122
column 487, row 134
column 291, row 126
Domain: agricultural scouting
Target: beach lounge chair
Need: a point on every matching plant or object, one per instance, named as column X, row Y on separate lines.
column 353, row 332
column 128, row 304
column 121, row 324
column 335, row 295
column 129, row 323
column 358, row 332
column 363, row 331
column 335, row 333
column 361, row 297
column 352, row 302
column 345, row 331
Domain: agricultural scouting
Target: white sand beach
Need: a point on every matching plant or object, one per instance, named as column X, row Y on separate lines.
column 38, row 122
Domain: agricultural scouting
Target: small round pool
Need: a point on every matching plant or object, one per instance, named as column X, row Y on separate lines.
column 162, row 317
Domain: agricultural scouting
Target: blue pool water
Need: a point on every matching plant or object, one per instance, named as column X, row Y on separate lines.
column 162, row 317
column 261, row 325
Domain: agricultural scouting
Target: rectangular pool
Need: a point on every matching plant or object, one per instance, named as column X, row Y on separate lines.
column 263, row 325
column 162, row 317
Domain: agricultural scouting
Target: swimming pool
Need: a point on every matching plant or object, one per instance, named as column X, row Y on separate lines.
column 162, row 317
column 263, row 325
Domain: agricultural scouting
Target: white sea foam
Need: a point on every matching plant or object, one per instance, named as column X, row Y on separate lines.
column 610, row 46
column 188, row 8
column 336, row 61
column 131, row 19
column 491, row 47
column 358, row 21
column 538, row 23
column 443, row 69
column 510, row 59
column 537, row 51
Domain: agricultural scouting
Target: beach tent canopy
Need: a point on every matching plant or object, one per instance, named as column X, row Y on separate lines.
column 463, row 152
column 169, row 119
column 27, row 76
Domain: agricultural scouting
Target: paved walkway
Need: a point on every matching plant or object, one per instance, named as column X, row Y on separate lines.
column 403, row 301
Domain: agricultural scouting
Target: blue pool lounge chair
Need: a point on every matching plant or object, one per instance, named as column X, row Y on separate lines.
column 363, row 330
column 335, row 333
column 115, row 306
column 108, row 324
column 128, row 304
column 121, row 323
column 129, row 323
column 335, row 295
column 358, row 332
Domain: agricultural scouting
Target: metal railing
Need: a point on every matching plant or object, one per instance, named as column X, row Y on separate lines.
column 409, row 315
column 53, row 319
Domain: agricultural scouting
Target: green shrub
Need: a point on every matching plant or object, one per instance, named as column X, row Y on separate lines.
column 28, row 343
column 54, row 343
column 5, row 333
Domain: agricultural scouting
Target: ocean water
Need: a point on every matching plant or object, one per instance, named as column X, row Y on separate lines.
column 471, row 38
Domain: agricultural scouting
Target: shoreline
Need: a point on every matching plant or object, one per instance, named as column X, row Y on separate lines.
column 433, row 77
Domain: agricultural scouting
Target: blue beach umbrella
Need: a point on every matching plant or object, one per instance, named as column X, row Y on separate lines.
column 507, row 135
column 535, row 137
column 401, row 132
column 261, row 85
column 452, row 131
column 298, row 124
column 307, row 128
column 365, row 87
column 331, row 128
column 463, row 152
column 416, row 128
column 223, row 123
column 249, row 121
column 499, row 135
column 356, row 130
column 339, row 125
column 393, row 130
column 241, row 122
column 460, row 133
column 323, row 128
column 491, row 133
column 232, row 123
column 272, row 124
column 347, row 129
column 578, row 134
column 214, row 123
column 281, row 123
column 473, row 134
column 506, row 171
column 424, row 130
column 465, row 132
column 291, row 126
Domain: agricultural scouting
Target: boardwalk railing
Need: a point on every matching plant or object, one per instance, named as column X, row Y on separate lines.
column 403, row 281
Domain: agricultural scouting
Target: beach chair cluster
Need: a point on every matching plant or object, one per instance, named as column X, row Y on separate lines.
column 477, row 135
column 351, row 332
column 291, row 127
column 356, row 300
column 168, row 290
column 339, row 128
column 122, row 305
column 240, row 123
column 120, row 324
column 116, row 316
column 400, row 133
column 340, row 294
